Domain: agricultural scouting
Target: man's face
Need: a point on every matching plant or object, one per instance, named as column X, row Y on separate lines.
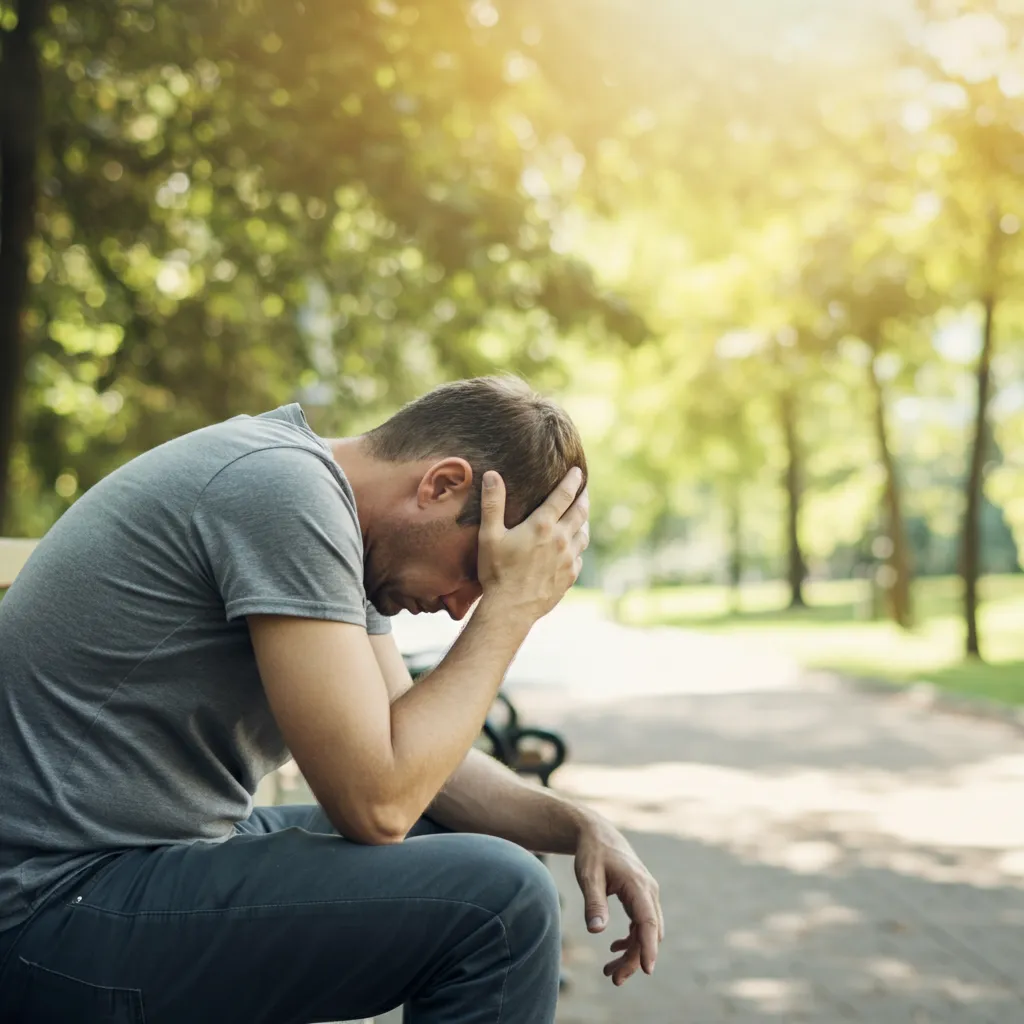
column 419, row 558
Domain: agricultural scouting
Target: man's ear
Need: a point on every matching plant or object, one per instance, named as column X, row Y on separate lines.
column 448, row 480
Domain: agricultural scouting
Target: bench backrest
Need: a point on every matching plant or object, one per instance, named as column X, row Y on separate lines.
column 14, row 554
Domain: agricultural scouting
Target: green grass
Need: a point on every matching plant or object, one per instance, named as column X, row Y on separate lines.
column 835, row 632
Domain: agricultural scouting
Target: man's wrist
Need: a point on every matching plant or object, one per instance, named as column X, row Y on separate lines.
column 496, row 612
column 567, row 824
column 587, row 822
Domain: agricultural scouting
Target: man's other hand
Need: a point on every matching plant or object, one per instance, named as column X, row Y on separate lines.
column 606, row 865
column 530, row 567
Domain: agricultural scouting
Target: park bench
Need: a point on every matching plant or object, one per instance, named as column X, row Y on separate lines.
column 13, row 555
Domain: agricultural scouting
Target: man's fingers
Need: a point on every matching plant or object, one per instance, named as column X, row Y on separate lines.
column 595, row 897
column 620, row 963
column 582, row 538
column 615, row 965
column 492, row 505
column 578, row 514
column 623, row 967
column 561, row 498
column 659, row 913
column 580, row 544
column 644, row 914
column 648, row 936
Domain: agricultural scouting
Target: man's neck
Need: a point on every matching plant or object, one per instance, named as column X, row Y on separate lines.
column 364, row 475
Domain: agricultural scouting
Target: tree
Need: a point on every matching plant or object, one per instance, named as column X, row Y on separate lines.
column 858, row 212
column 728, row 146
column 971, row 59
column 796, row 565
column 971, row 538
column 247, row 201
column 20, row 110
column 966, row 91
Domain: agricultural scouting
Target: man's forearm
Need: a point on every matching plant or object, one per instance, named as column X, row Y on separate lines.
column 485, row 796
column 435, row 723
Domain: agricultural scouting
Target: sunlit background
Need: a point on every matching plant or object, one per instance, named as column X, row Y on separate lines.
column 766, row 251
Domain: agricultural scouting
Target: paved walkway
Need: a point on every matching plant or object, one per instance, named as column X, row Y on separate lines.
column 825, row 855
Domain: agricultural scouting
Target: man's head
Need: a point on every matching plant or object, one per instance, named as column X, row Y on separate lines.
column 421, row 552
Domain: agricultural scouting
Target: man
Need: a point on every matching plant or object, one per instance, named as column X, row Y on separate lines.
column 218, row 605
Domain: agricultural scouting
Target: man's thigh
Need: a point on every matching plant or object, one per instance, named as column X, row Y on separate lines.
column 288, row 924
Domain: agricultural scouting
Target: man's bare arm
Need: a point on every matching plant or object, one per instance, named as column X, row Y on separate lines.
column 375, row 765
column 392, row 665
column 483, row 795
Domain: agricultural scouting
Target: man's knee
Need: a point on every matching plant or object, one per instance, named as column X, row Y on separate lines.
column 501, row 953
column 514, row 885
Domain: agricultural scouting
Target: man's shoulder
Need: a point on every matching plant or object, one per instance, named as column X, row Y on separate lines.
column 246, row 454
column 284, row 427
column 201, row 455
column 272, row 462
column 279, row 442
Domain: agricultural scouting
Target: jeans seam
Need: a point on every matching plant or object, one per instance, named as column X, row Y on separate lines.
column 137, row 1007
column 526, row 959
column 35, row 965
column 286, row 906
column 507, row 971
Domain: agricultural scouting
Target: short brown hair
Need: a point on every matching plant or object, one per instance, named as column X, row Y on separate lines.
column 496, row 423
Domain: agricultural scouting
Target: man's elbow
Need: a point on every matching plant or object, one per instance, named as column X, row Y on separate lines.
column 373, row 825
column 384, row 829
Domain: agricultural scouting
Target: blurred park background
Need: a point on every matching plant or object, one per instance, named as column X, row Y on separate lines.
column 767, row 252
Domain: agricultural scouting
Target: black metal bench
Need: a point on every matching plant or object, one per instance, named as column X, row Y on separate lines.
column 526, row 749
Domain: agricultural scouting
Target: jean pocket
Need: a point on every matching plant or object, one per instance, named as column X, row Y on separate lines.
column 42, row 996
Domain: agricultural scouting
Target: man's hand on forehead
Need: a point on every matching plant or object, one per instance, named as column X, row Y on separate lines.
column 531, row 566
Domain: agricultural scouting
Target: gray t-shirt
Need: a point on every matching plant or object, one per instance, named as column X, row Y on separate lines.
column 131, row 709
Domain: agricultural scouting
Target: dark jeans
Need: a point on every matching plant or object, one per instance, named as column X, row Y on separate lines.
column 287, row 922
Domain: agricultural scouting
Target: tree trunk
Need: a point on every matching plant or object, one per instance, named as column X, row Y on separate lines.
column 970, row 541
column 735, row 550
column 21, row 88
column 899, row 555
column 797, row 567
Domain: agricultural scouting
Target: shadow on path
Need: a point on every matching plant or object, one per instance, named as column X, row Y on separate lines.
column 824, row 856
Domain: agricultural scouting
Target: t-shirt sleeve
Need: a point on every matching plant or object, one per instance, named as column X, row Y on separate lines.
column 279, row 535
column 375, row 622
